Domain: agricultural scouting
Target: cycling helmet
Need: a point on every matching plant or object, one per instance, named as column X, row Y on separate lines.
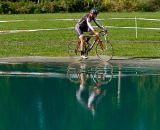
column 94, row 11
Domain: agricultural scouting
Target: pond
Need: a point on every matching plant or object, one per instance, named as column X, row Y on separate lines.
column 79, row 96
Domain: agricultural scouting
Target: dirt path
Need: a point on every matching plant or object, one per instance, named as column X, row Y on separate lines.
column 115, row 60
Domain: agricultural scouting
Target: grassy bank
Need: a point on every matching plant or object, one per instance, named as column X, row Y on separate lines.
column 54, row 42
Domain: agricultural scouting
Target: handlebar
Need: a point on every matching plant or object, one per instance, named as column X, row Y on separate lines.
column 103, row 32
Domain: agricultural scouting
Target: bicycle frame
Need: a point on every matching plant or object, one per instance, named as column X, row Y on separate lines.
column 91, row 45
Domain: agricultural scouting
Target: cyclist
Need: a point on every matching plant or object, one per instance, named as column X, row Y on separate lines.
column 84, row 26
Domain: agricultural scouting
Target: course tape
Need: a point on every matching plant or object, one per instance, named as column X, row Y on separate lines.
column 134, row 28
column 34, row 30
column 9, row 21
column 69, row 28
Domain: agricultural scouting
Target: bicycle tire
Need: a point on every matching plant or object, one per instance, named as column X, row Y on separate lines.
column 72, row 48
column 104, row 72
column 104, row 51
column 73, row 72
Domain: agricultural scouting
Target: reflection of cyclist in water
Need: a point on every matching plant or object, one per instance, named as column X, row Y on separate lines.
column 93, row 80
column 89, row 95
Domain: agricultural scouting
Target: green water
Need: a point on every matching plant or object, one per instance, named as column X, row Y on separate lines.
column 48, row 97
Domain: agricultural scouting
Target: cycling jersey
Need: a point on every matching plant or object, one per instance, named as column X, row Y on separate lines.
column 84, row 24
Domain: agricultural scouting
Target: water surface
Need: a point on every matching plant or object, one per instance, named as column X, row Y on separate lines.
column 79, row 96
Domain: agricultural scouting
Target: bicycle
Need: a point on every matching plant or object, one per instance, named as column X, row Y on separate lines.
column 104, row 49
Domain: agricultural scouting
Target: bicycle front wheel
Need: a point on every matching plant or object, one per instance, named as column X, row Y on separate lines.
column 104, row 51
column 104, row 72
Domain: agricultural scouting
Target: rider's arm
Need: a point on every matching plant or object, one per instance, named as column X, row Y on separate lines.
column 98, row 24
column 90, row 26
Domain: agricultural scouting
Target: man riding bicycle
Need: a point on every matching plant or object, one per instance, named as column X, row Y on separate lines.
column 84, row 26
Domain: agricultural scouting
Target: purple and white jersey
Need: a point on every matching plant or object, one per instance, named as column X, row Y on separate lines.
column 85, row 22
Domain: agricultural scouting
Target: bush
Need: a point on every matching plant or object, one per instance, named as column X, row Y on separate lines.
column 4, row 7
column 129, row 6
column 79, row 6
column 153, row 5
column 76, row 6
column 49, row 7
column 112, row 6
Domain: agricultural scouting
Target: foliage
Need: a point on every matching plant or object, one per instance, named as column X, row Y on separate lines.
column 51, row 6
column 152, row 5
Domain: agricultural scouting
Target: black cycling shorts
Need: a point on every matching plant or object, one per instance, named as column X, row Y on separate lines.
column 80, row 30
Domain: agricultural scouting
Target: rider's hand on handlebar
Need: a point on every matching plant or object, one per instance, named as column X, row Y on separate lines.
column 97, row 34
column 104, row 29
column 98, row 40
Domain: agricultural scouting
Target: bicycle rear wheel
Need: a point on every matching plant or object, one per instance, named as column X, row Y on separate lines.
column 104, row 51
column 73, row 48
column 73, row 72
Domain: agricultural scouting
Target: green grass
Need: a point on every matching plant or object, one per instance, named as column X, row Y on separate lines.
column 137, row 50
column 54, row 43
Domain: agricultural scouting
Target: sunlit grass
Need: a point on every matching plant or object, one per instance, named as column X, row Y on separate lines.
column 54, row 43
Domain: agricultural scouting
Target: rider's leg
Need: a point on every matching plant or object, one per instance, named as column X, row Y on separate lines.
column 98, row 40
column 92, row 33
column 81, row 42
column 81, row 37
column 80, row 33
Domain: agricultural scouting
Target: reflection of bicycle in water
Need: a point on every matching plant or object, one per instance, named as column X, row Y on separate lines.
column 92, row 80
column 94, row 72
column 104, row 49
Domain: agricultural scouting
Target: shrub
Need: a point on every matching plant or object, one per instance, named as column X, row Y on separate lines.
column 129, row 6
column 4, row 7
column 77, row 6
column 114, row 6
column 22, row 8
column 152, row 5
